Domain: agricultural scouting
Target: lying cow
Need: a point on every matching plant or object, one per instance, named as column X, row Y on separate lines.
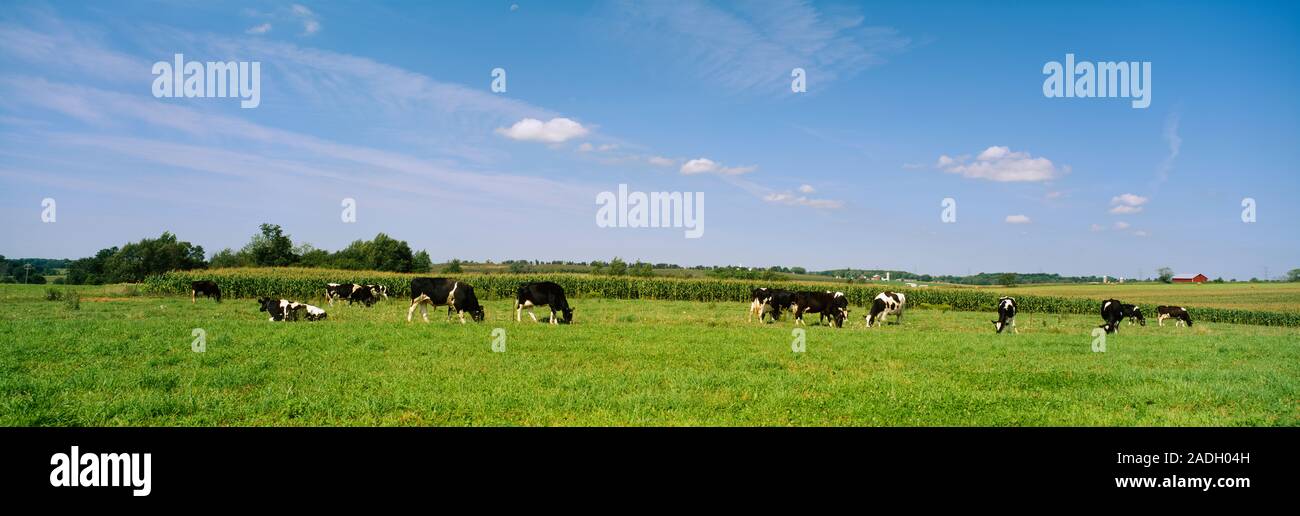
column 1177, row 313
column 833, row 305
column 206, row 288
column 886, row 303
column 459, row 297
column 1006, row 315
column 289, row 311
column 543, row 293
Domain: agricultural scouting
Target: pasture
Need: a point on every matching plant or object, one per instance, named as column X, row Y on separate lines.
column 1273, row 297
column 126, row 359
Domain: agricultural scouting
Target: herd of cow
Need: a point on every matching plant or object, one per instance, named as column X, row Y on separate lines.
column 459, row 299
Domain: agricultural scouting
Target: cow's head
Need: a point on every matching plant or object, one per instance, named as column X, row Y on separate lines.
column 380, row 290
column 997, row 325
column 477, row 314
column 1110, row 328
column 1137, row 312
column 567, row 316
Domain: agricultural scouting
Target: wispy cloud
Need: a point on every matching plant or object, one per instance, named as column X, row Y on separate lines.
column 708, row 166
column 259, row 29
column 1017, row 219
column 754, row 46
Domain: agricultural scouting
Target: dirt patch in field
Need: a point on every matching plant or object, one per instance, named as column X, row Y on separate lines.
column 104, row 299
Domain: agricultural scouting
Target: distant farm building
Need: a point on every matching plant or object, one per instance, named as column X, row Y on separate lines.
column 1190, row 278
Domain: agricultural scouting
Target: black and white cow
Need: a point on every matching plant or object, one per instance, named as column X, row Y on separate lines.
column 289, row 311
column 366, row 294
column 757, row 298
column 458, row 296
column 833, row 305
column 886, row 303
column 1112, row 312
column 1006, row 315
column 774, row 302
column 1177, row 313
column 1133, row 313
column 206, row 288
column 543, row 293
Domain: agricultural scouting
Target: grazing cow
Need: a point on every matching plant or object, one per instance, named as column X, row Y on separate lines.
column 1133, row 313
column 886, row 303
column 205, row 287
column 366, row 294
column 1112, row 312
column 540, row 293
column 286, row 310
column 1006, row 315
column 458, row 297
column 1177, row 313
column 827, row 304
column 774, row 301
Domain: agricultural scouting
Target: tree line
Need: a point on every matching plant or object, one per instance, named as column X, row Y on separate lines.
column 270, row 247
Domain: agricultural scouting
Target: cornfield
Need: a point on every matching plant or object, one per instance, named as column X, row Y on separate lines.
column 302, row 284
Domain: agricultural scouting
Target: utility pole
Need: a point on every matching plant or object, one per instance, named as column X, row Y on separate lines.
column 28, row 268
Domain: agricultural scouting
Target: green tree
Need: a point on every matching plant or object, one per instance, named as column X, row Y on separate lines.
column 229, row 258
column 1165, row 274
column 137, row 260
column 452, row 267
column 617, row 267
column 271, row 248
column 1293, row 275
column 420, row 262
column 1007, row 279
column 641, row 269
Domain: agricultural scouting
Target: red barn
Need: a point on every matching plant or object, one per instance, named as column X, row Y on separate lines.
column 1190, row 278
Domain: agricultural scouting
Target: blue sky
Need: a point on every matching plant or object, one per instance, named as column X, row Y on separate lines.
column 907, row 104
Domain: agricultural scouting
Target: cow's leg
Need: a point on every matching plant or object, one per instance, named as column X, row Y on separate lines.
column 1013, row 326
column 410, row 312
column 532, row 313
column 519, row 312
column 193, row 294
column 1160, row 320
column 462, row 316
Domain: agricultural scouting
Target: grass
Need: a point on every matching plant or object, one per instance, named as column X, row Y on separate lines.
column 126, row 359
column 1273, row 297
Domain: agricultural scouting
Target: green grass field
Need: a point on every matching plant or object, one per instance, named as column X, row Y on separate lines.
column 1274, row 297
column 127, row 360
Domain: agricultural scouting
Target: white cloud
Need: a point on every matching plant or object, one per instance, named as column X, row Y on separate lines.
column 660, row 161
column 310, row 23
column 260, row 29
column 998, row 163
column 1121, row 226
column 1017, row 219
column 806, row 189
column 1096, row 227
column 1140, row 233
column 708, row 166
column 556, row 130
column 800, row 200
column 1054, row 195
column 1127, row 203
